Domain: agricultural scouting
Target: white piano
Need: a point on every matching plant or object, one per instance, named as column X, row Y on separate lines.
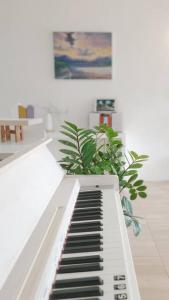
column 61, row 237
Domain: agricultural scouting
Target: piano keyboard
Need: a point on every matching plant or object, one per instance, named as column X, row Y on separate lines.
column 92, row 264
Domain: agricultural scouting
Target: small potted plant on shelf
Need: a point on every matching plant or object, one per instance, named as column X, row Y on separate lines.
column 101, row 151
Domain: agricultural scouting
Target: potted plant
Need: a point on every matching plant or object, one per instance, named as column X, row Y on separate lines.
column 86, row 152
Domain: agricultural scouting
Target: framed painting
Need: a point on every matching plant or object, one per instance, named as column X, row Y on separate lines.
column 82, row 55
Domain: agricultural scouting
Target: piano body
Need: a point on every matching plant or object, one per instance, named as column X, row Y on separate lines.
column 62, row 237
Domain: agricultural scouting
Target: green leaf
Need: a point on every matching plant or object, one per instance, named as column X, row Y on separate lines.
column 72, row 125
column 138, row 183
column 128, row 185
column 126, row 204
column 70, row 160
column 134, row 154
column 133, row 177
column 141, row 188
column 117, row 142
column 69, row 152
column 142, row 194
column 128, row 221
column 136, row 227
column 141, row 160
column 143, row 157
column 85, row 141
column 131, row 172
column 88, row 150
column 133, row 196
column 96, row 170
column 71, row 136
column 119, row 154
column 132, row 191
column 86, row 132
column 113, row 170
column 67, row 143
column 122, row 182
column 69, row 129
column 111, row 133
column 135, row 166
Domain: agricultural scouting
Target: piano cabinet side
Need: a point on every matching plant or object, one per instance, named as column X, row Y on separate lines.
column 33, row 273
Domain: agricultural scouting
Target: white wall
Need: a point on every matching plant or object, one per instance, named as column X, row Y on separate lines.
column 140, row 66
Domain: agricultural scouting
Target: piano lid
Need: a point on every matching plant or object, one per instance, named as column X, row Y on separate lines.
column 27, row 183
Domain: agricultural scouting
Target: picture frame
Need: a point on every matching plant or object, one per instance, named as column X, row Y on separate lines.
column 105, row 105
column 82, row 55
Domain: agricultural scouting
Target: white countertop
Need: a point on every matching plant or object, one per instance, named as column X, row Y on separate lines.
column 22, row 121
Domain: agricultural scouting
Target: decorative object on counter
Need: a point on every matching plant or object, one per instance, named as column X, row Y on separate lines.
column 53, row 116
column 26, row 112
column 9, row 127
column 105, row 105
column 30, row 111
column 84, row 154
column 22, row 111
column 106, row 118
column 83, row 55
column 7, row 131
column 49, row 122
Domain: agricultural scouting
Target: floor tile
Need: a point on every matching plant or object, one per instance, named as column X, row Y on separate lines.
column 151, row 249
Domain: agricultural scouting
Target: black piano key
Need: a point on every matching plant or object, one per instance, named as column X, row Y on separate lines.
column 85, row 229
column 86, row 224
column 77, row 282
column 82, row 249
column 89, row 198
column 90, row 192
column 96, row 192
column 89, row 212
column 80, row 243
column 84, row 218
column 88, row 204
column 93, row 196
column 79, row 268
column 86, row 211
column 95, row 209
column 89, row 201
column 76, row 293
column 84, row 237
column 81, row 260
column 82, row 240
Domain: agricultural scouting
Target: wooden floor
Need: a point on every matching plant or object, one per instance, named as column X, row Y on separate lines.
column 151, row 249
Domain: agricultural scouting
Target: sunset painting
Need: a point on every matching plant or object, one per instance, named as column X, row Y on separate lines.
column 82, row 55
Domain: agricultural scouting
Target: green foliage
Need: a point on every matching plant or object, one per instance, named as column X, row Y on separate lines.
column 100, row 151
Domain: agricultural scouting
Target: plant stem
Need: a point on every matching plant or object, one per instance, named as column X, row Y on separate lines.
column 78, row 148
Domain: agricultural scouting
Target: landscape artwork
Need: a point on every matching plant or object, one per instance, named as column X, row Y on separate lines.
column 83, row 55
